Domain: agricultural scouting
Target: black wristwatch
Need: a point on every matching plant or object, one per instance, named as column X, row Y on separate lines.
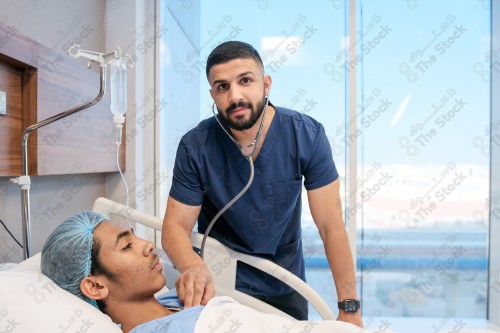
column 349, row 305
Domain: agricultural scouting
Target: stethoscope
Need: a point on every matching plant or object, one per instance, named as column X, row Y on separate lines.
column 257, row 137
column 249, row 157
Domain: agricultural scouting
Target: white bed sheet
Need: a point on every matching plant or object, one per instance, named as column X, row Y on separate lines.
column 224, row 314
column 31, row 302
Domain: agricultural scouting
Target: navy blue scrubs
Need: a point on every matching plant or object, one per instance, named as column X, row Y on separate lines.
column 266, row 221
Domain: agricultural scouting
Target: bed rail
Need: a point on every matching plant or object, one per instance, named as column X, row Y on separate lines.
column 224, row 275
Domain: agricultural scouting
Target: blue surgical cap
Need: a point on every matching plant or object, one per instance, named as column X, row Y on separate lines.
column 66, row 255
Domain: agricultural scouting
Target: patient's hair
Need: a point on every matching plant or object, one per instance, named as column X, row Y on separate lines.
column 232, row 50
column 98, row 268
column 70, row 253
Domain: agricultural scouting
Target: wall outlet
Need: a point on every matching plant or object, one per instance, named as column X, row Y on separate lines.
column 3, row 103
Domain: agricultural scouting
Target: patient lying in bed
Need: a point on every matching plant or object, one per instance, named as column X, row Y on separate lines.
column 107, row 265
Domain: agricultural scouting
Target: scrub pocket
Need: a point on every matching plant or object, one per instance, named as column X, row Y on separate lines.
column 285, row 195
column 287, row 255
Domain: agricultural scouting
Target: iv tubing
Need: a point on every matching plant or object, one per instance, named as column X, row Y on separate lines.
column 118, row 144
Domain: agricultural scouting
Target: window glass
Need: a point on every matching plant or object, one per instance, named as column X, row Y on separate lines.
column 424, row 112
column 422, row 129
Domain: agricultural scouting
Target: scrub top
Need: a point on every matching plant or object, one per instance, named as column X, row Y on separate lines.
column 180, row 322
column 210, row 170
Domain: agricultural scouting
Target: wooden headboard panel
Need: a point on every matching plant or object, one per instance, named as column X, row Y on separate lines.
column 40, row 83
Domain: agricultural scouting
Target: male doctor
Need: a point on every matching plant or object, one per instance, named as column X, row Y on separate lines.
column 211, row 168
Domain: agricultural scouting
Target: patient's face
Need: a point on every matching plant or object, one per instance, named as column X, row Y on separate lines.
column 131, row 260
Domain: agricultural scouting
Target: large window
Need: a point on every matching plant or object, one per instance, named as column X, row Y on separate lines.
column 422, row 131
column 423, row 120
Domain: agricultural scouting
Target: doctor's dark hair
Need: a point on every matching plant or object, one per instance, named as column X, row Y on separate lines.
column 232, row 50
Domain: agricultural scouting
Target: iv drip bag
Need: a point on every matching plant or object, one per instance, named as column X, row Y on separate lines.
column 118, row 87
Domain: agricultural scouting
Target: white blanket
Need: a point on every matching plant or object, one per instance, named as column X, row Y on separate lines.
column 225, row 315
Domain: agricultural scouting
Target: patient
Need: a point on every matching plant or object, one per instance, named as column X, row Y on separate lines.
column 107, row 265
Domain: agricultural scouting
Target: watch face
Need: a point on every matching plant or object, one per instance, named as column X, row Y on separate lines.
column 350, row 305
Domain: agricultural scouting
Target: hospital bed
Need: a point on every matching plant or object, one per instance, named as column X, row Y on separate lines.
column 221, row 261
column 30, row 302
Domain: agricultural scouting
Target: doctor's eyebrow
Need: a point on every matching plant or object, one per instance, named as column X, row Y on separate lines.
column 239, row 76
column 123, row 234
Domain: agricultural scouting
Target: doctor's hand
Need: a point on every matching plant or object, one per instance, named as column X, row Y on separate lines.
column 353, row 318
column 195, row 286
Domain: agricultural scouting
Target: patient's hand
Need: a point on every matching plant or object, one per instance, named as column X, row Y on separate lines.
column 195, row 286
column 353, row 318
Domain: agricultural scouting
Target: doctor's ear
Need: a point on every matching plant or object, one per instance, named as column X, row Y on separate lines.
column 93, row 288
column 268, row 82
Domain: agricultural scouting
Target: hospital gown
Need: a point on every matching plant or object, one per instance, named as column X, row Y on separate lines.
column 180, row 322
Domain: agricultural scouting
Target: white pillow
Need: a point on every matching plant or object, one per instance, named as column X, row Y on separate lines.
column 31, row 302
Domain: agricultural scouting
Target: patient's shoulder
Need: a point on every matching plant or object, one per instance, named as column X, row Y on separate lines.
column 179, row 322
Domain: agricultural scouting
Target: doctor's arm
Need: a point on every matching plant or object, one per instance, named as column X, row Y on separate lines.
column 326, row 210
column 195, row 286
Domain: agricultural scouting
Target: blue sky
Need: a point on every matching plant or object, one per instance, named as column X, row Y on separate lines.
column 391, row 31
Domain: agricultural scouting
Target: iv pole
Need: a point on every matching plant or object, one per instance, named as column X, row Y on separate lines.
column 24, row 180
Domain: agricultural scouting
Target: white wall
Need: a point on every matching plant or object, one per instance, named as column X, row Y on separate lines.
column 57, row 24
column 96, row 25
